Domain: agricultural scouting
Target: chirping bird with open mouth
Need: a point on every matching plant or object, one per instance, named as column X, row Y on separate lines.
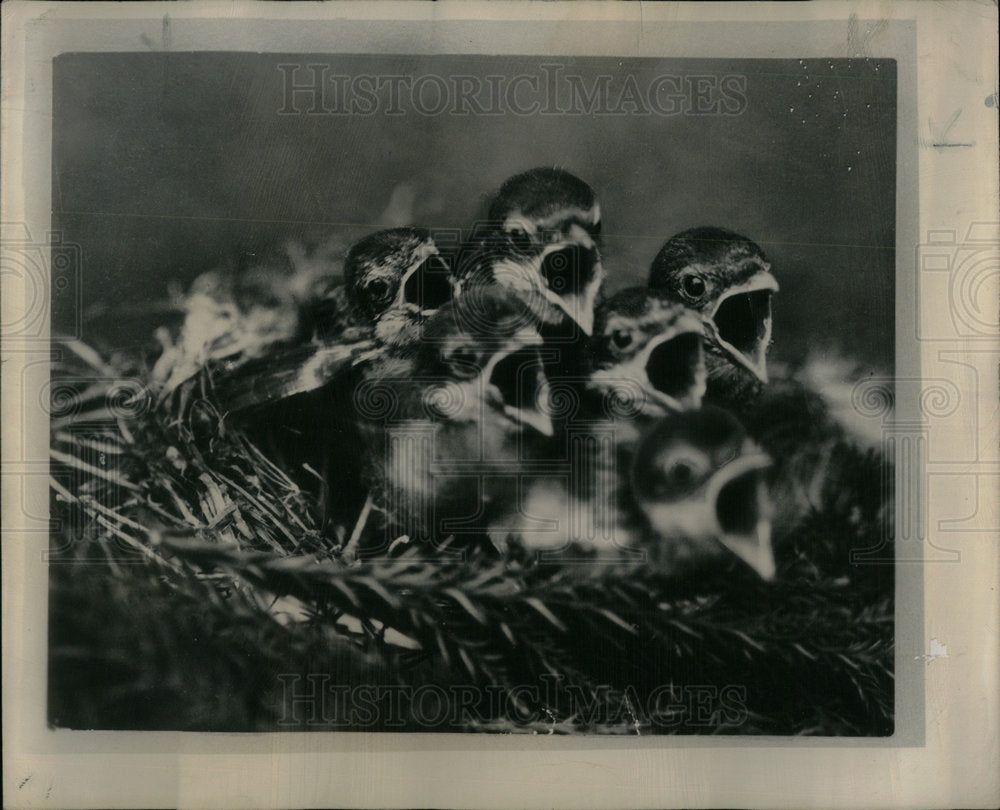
column 392, row 281
column 449, row 422
column 393, row 278
column 694, row 495
column 699, row 483
column 541, row 240
column 647, row 350
column 645, row 361
column 726, row 278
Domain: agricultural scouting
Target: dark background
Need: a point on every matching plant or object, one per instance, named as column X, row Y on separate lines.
column 167, row 165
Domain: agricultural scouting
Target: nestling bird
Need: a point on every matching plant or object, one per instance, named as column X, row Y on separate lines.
column 231, row 317
column 649, row 350
column 541, row 240
column 392, row 281
column 449, row 422
column 394, row 276
column 793, row 423
column 699, row 483
column 727, row 278
column 693, row 496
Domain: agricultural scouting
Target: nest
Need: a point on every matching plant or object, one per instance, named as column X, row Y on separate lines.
column 193, row 587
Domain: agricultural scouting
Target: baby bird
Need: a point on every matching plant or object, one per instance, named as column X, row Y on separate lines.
column 726, row 278
column 694, row 495
column 448, row 422
column 542, row 241
column 647, row 351
column 392, row 280
column 698, row 482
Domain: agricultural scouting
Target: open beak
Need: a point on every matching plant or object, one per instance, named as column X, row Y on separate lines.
column 409, row 283
column 427, row 284
column 570, row 275
column 742, row 510
column 579, row 308
column 741, row 322
column 673, row 365
column 564, row 276
column 518, row 375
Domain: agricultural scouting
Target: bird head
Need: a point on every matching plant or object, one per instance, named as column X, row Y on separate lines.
column 396, row 270
column 546, row 205
column 542, row 241
column 642, row 339
column 479, row 360
column 726, row 278
column 700, row 484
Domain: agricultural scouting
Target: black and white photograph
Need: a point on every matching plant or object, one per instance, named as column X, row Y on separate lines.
column 472, row 394
column 510, row 392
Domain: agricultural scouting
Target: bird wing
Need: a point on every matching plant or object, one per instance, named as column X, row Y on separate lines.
column 296, row 370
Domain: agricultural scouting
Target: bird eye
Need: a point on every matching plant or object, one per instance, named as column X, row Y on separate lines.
column 693, row 285
column 519, row 237
column 683, row 473
column 463, row 362
column 621, row 338
column 379, row 289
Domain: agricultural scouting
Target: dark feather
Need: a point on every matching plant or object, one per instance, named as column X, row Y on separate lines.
column 296, row 370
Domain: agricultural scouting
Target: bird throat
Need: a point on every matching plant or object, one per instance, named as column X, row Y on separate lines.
column 520, row 379
column 742, row 326
column 429, row 286
column 676, row 369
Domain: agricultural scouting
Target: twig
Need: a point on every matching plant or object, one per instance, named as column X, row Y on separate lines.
column 91, row 444
column 73, row 461
column 89, row 356
column 146, row 550
column 359, row 526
